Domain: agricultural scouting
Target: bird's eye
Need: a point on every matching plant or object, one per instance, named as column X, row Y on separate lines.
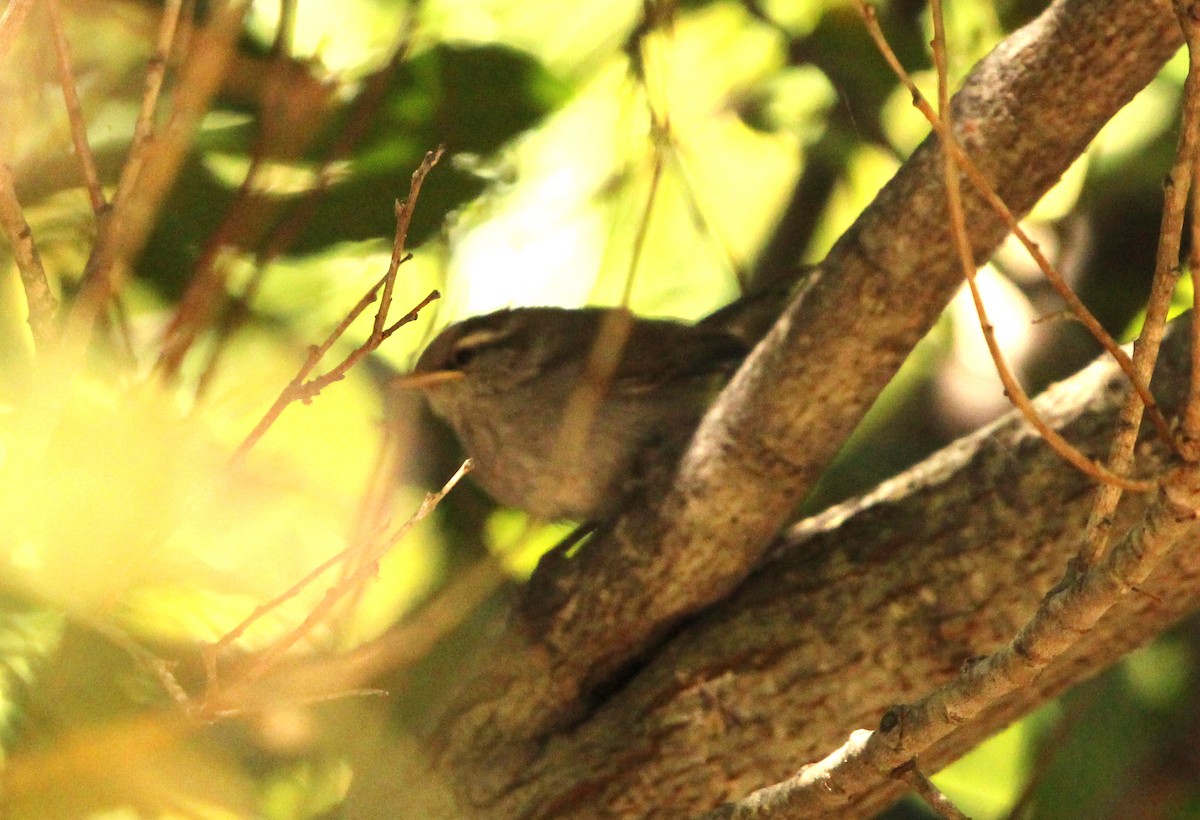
column 462, row 356
column 470, row 344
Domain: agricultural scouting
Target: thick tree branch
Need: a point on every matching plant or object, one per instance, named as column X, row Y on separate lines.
column 870, row 604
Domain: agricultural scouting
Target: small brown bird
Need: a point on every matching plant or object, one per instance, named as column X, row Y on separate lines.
column 557, row 413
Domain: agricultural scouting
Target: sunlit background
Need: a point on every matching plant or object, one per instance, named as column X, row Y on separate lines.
column 594, row 156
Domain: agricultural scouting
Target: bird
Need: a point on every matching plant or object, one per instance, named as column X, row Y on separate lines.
column 559, row 408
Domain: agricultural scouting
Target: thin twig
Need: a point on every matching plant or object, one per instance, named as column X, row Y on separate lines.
column 579, row 413
column 1190, row 427
column 931, row 794
column 66, row 79
column 38, row 296
column 284, row 234
column 300, row 390
column 985, row 189
column 206, row 290
column 679, row 156
column 218, row 696
column 953, row 157
column 372, row 513
column 143, row 127
column 1166, row 274
column 162, row 669
column 152, row 167
column 182, row 42
column 404, row 214
column 416, row 637
column 1049, row 745
column 643, row 230
column 206, row 285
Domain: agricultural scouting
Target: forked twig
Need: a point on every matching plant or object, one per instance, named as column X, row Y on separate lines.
column 404, row 214
column 1166, row 274
column 143, row 127
column 604, row 357
column 301, row 388
column 285, row 232
column 218, row 697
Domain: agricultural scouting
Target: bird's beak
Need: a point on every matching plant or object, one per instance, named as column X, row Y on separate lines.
column 421, row 381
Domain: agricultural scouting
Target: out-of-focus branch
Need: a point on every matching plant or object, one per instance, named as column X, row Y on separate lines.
column 66, row 78
column 38, row 296
column 152, row 167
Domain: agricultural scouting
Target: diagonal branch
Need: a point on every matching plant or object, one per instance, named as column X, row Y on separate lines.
column 38, row 296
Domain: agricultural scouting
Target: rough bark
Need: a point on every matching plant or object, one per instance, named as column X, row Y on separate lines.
column 537, row 736
column 870, row 604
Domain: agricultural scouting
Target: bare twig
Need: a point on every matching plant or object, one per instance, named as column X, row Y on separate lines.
column 1190, row 428
column 221, row 699
column 579, row 413
column 962, row 244
column 985, row 189
column 659, row 17
column 207, row 288
column 38, row 296
column 931, row 794
column 152, row 167
column 187, row 23
column 66, row 78
column 404, row 213
column 410, row 641
column 373, row 507
column 285, row 233
column 143, row 127
column 1166, row 274
column 300, row 390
